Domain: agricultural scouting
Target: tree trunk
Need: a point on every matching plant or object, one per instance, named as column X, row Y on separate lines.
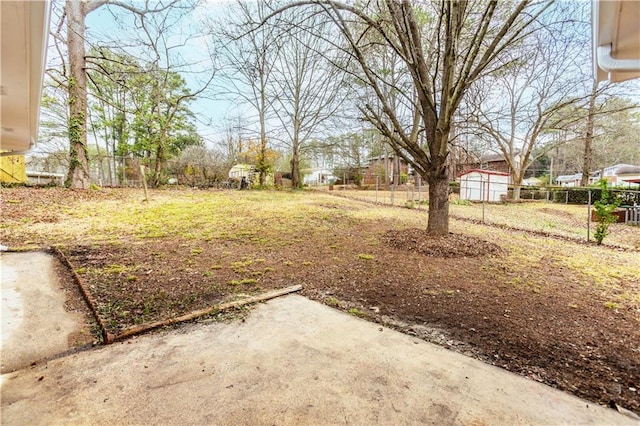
column 586, row 163
column 437, row 173
column 295, row 154
column 78, row 174
column 295, row 168
column 438, row 223
column 387, row 171
column 516, row 191
column 262, row 160
column 397, row 172
column 516, row 182
column 159, row 165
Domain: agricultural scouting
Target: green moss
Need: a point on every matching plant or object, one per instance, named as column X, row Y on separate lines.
column 356, row 312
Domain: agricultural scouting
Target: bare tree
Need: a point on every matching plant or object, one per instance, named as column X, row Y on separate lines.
column 540, row 90
column 588, row 137
column 605, row 133
column 248, row 58
column 200, row 166
column 445, row 46
column 306, row 89
column 232, row 142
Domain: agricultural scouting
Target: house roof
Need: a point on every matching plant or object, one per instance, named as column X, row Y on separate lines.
column 23, row 45
column 491, row 157
column 616, row 39
column 568, row 178
column 628, row 170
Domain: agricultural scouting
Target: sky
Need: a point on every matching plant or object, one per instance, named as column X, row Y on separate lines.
column 210, row 111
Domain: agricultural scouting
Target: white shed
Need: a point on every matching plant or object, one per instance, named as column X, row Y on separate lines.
column 483, row 185
column 241, row 170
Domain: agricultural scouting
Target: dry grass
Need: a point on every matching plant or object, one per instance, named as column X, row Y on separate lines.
column 274, row 220
column 538, row 216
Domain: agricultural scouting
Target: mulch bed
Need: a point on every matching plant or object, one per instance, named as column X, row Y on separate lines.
column 453, row 245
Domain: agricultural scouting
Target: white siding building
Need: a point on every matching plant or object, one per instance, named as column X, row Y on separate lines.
column 484, row 185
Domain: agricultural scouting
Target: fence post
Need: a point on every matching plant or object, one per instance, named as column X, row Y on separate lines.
column 589, row 218
column 483, row 200
column 627, row 215
column 144, row 183
column 393, row 191
column 377, row 180
column 567, row 200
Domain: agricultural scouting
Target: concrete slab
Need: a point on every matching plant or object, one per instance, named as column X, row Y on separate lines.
column 33, row 322
column 293, row 361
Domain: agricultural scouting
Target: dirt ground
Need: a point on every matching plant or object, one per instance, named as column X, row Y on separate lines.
column 459, row 292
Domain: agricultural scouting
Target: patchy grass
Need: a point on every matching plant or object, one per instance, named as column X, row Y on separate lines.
column 272, row 221
column 539, row 303
column 556, row 219
column 364, row 256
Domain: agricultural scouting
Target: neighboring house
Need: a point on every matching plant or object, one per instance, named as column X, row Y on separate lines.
column 13, row 169
column 248, row 171
column 385, row 166
column 46, row 178
column 619, row 174
column 629, row 175
column 240, row 171
column 532, row 181
column 318, row 177
column 490, row 161
column 569, row 180
column 484, row 185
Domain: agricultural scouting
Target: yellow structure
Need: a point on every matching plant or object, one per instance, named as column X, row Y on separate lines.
column 13, row 169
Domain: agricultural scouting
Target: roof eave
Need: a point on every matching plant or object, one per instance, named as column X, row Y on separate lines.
column 25, row 28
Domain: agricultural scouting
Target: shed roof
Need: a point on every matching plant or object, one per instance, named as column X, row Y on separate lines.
column 485, row 172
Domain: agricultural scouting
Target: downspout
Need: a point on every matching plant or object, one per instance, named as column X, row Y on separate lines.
column 608, row 63
column 38, row 61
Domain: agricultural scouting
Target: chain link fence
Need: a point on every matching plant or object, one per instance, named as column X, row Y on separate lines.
column 560, row 212
column 125, row 171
